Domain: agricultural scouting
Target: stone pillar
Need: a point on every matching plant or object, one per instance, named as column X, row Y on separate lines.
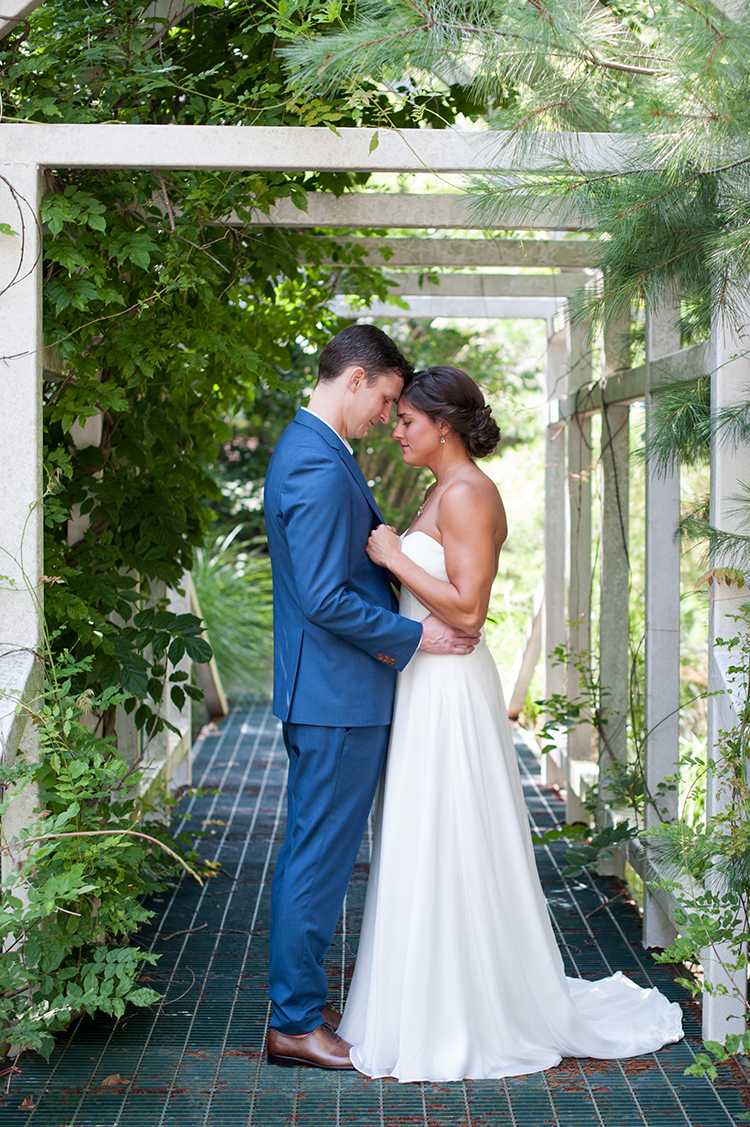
column 662, row 651
column 21, row 526
column 553, row 620
column 178, row 771
column 614, row 656
column 730, row 365
column 20, row 407
column 580, row 766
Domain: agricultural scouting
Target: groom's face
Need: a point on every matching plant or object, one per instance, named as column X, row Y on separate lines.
column 368, row 403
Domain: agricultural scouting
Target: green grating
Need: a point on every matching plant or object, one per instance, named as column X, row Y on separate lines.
column 196, row 1058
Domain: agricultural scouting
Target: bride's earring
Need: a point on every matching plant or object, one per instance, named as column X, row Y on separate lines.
column 442, row 438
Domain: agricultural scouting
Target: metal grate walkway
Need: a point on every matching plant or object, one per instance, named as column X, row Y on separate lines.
column 195, row 1059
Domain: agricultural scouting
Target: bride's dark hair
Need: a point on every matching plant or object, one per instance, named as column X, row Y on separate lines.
column 448, row 395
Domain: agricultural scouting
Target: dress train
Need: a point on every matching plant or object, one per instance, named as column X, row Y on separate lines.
column 458, row 974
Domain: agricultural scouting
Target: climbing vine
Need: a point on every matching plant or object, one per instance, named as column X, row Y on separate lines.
column 78, row 872
column 165, row 310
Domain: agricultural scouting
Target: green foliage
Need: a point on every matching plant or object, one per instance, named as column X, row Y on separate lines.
column 587, row 846
column 680, row 425
column 168, row 309
column 704, row 1063
column 234, row 588
column 498, row 53
column 671, row 80
column 78, row 872
column 719, row 544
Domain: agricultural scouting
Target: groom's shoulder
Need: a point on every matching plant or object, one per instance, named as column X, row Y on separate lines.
column 301, row 447
column 297, row 437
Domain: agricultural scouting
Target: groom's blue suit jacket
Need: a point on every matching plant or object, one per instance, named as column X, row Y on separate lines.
column 338, row 641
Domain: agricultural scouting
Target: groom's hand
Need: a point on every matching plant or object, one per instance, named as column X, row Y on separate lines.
column 439, row 638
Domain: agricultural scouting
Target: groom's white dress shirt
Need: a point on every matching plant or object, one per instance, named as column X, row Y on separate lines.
column 317, row 416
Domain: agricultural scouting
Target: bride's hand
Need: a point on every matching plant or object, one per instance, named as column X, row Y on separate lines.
column 383, row 544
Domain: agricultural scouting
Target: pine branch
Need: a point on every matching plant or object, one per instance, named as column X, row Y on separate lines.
column 721, row 548
column 679, row 426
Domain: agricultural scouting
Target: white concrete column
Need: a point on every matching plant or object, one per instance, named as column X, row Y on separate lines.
column 614, row 657
column 553, row 615
column 662, row 651
column 580, row 767
column 21, row 521
column 729, row 360
column 20, row 407
column 178, row 771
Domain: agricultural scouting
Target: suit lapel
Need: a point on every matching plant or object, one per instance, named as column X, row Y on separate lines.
column 304, row 418
column 351, row 464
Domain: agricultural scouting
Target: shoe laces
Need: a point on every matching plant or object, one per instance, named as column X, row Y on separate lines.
column 331, row 1031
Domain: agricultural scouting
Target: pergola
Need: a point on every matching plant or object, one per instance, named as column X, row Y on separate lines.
column 574, row 393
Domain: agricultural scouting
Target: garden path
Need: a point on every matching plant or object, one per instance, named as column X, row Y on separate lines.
column 196, row 1058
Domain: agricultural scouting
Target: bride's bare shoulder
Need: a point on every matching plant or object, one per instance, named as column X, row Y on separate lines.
column 471, row 496
column 473, row 485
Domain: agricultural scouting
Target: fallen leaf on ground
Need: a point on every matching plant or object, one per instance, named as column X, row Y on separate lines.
column 114, row 1080
column 27, row 1104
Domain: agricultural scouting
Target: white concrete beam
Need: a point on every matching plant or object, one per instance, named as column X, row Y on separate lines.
column 14, row 13
column 169, row 12
column 630, row 386
column 426, row 308
column 458, row 253
column 662, row 648
column 486, row 285
column 294, row 148
column 384, row 210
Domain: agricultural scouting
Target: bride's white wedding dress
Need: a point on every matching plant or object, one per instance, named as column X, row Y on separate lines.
column 458, row 973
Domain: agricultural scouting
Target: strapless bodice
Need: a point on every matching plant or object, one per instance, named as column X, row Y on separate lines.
column 426, row 552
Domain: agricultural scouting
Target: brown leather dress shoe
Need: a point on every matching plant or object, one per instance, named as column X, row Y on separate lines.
column 331, row 1017
column 323, row 1048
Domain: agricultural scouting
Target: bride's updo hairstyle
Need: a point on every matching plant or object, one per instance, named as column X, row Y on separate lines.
column 447, row 395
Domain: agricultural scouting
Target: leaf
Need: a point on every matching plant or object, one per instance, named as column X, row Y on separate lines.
column 198, row 649
column 27, row 1104
column 374, row 142
column 143, row 996
column 178, row 696
column 114, row 1080
column 176, row 650
column 730, row 575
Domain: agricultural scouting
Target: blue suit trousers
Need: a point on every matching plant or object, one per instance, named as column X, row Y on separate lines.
column 333, row 776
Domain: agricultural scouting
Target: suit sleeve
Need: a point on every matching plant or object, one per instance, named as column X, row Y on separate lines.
column 318, row 527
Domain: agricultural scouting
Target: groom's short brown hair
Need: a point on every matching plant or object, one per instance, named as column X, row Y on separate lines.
column 367, row 346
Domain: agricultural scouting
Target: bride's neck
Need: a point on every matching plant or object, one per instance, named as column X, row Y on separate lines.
column 447, row 465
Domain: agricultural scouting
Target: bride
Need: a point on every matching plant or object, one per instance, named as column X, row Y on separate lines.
column 458, row 974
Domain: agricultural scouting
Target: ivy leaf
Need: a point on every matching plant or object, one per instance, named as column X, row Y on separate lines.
column 178, row 696
column 198, row 649
column 176, row 650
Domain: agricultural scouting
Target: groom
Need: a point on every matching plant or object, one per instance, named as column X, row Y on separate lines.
column 338, row 643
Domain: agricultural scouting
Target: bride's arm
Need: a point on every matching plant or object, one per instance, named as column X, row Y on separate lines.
column 470, row 521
